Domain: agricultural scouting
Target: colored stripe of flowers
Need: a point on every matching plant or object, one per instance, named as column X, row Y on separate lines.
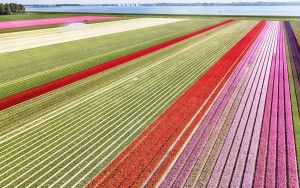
column 281, row 140
column 186, row 161
column 139, row 159
column 276, row 163
column 225, row 165
column 249, row 169
column 250, row 122
column 51, row 21
column 61, row 82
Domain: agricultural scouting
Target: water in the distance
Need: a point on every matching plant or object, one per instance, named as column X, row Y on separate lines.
column 203, row 10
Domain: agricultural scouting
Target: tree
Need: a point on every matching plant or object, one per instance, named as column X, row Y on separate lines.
column 1, row 9
column 22, row 8
column 7, row 10
column 12, row 7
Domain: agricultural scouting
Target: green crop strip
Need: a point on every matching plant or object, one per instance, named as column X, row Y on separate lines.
column 65, row 143
column 28, row 68
column 295, row 106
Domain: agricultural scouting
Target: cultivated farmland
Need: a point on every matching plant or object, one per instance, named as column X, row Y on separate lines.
column 170, row 102
column 28, row 39
column 28, row 68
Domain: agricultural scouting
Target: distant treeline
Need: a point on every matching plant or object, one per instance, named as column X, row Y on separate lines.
column 9, row 8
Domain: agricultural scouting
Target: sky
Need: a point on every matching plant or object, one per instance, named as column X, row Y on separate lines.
column 124, row 1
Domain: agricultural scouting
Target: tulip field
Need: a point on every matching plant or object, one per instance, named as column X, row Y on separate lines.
column 152, row 102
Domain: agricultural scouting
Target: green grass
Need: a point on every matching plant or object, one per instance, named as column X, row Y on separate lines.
column 294, row 85
column 190, row 16
column 28, row 68
column 75, row 145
